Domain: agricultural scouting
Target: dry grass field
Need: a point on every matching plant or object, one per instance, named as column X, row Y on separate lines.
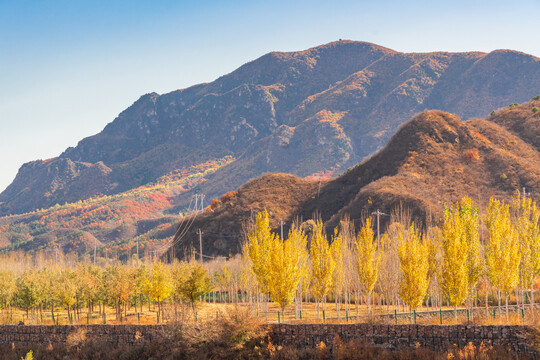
column 210, row 311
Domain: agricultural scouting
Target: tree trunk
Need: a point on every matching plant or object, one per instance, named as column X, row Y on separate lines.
column 532, row 302
column 369, row 304
column 499, row 298
column 487, row 311
column 506, row 300
column 357, row 305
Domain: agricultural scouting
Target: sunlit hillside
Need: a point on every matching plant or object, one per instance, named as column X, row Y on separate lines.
column 112, row 224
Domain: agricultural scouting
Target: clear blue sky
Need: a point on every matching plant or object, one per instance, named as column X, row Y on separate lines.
column 67, row 68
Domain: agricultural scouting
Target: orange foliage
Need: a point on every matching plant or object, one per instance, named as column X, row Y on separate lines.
column 214, row 204
column 471, row 155
column 95, row 214
column 228, row 196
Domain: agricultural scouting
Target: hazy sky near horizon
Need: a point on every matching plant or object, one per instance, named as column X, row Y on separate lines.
column 67, row 68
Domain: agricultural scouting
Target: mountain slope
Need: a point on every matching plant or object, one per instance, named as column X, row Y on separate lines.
column 315, row 111
column 435, row 158
column 115, row 225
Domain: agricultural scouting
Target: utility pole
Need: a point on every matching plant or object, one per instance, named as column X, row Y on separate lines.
column 281, row 221
column 200, row 245
column 378, row 213
column 196, row 203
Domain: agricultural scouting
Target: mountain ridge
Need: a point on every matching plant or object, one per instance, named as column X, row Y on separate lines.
column 349, row 96
column 434, row 159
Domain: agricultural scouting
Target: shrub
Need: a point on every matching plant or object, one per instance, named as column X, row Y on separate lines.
column 535, row 109
column 493, row 113
column 228, row 196
column 537, row 97
column 513, row 105
column 471, row 155
column 214, row 204
column 503, row 176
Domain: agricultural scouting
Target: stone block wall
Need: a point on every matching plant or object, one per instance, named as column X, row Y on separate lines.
column 61, row 334
column 521, row 339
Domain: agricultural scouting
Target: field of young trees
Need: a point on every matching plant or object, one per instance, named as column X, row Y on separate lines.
column 472, row 261
column 478, row 266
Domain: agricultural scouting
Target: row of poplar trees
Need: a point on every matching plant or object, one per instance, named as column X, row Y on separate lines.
column 499, row 250
column 93, row 288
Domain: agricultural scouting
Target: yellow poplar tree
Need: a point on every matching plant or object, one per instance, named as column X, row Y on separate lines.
column 469, row 217
column 322, row 264
column 247, row 278
column 287, row 260
column 337, row 251
column 260, row 242
column 502, row 252
column 7, row 289
column 367, row 259
column 413, row 257
column 161, row 285
column 529, row 240
column 455, row 278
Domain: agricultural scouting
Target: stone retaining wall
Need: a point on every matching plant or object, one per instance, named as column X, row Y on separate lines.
column 61, row 334
column 521, row 339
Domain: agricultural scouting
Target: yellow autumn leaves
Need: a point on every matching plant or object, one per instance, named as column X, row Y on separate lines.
column 367, row 259
column 278, row 265
column 414, row 260
column 283, row 267
column 445, row 262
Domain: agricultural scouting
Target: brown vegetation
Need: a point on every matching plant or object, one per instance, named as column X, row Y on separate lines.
column 433, row 159
column 238, row 337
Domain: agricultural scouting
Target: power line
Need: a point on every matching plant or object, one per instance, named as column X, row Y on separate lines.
column 198, row 208
column 177, row 237
column 378, row 213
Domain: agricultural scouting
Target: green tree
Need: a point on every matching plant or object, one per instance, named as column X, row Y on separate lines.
column 27, row 295
column 194, row 284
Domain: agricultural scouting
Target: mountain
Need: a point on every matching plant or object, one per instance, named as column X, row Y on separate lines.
column 310, row 112
column 433, row 159
column 118, row 225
